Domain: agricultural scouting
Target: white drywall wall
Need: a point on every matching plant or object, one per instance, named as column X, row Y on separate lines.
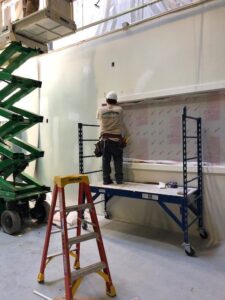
column 68, row 96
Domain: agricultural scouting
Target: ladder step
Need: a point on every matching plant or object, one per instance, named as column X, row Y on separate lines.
column 79, row 207
column 87, row 270
column 83, row 238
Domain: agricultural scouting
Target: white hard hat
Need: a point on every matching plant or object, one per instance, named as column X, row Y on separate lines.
column 111, row 95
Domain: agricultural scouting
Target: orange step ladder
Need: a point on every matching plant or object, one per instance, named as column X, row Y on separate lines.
column 72, row 279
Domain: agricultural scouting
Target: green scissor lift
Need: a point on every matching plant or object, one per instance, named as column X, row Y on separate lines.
column 18, row 189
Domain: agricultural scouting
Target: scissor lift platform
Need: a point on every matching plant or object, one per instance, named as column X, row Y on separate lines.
column 42, row 27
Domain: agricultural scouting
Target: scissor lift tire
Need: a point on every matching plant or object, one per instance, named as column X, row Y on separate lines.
column 11, row 221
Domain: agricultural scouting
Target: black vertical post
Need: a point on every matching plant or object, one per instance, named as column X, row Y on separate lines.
column 81, row 164
column 200, row 189
column 81, row 150
column 184, row 208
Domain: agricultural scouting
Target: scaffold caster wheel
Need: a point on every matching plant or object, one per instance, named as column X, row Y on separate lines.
column 189, row 250
column 203, row 233
column 107, row 215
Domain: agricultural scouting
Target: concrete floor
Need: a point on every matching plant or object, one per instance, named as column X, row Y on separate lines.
column 145, row 264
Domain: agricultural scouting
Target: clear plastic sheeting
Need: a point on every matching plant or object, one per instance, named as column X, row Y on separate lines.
column 89, row 12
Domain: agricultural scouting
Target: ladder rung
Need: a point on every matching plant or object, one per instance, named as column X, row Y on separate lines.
column 54, row 255
column 88, row 270
column 191, row 158
column 90, row 125
column 191, row 137
column 79, row 207
column 59, row 253
column 99, row 202
column 192, row 118
column 90, row 140
column 60, row 230
column 193, row 179
column 91, row 172
column 83, row 238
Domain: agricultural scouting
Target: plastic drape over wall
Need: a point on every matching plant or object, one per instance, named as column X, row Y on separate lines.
column 90, row 11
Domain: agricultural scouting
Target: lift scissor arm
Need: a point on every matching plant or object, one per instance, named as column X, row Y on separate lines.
column 27, row 38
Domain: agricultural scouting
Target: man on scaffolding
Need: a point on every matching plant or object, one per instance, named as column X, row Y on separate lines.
column 111, row 126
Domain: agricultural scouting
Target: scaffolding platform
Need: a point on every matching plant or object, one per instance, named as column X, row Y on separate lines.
column 144, row 191
column 188, row 197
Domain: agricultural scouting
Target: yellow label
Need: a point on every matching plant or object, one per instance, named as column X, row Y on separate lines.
column 61, row 181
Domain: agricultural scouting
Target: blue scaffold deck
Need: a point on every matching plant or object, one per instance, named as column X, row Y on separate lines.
column 164, row 197
column 142, row 191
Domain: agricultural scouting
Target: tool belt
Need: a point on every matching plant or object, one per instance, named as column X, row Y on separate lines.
column 122, row 139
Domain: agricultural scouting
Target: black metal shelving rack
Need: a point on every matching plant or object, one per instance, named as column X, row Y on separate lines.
column 82, row 157
column 195, row 205
column 81, row 147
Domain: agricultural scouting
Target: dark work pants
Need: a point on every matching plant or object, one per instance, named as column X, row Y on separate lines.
column 111, row 150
